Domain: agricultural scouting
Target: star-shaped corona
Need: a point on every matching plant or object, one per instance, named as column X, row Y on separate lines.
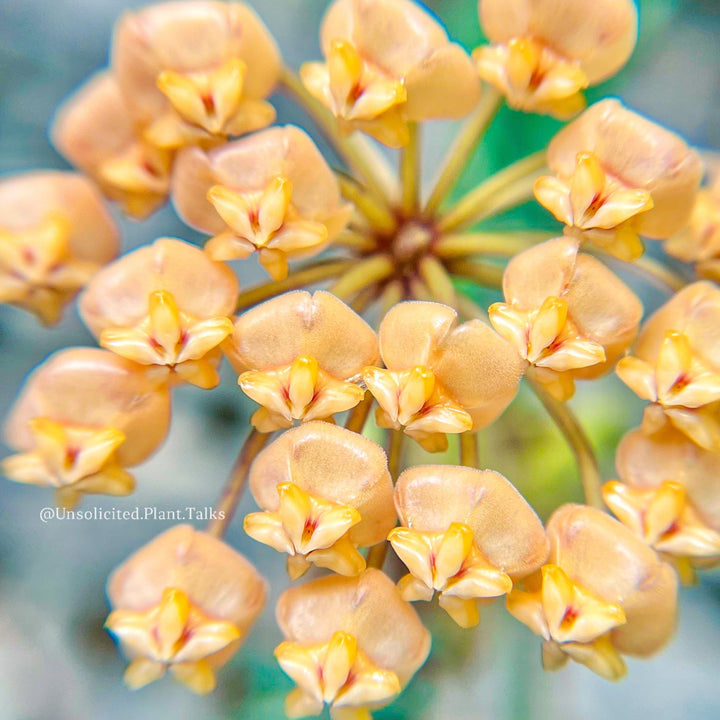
column 311, row 530
column 166, row 307
column 325, row 491
column 387, row 64
column 182, row 604
column 335, row 673
column 545, row 53
column 55, row 234
column 603, row 593
column 174, row 635
column 455, row 540
column 352, row 643
column 81, row 419
column 618, row 176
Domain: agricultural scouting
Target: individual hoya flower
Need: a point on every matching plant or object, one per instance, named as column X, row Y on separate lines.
column 603, row 594
column 300, row 357
column 465, row 533
column 352, row 643
column 196, row 71
column 184, row 603
column 270, row 193
column 55, row 234
column 166, row 306
column 440, row 377
column 388, row 63
column 676, row 365
column 699, row 242
column 616, row 176
column 670, row 497
column 546, row 52
column 82, row 417
column 565, row 313
column 95, row 131
column 325, row 491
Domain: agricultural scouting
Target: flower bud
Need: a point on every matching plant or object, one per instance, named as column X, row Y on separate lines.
column 352, row 643
column 55, row 233
column 270, row 193
column 183, row 603
column 545, row 52
column 677, row 365
column 196, row 71
column 165, row 305
column 603, row 593
column 465, row 533
column 565, row 313
column 388, row 62
column 95, row 131
column 441, row 377
column 618, row 175
column 300, row 356
column 325, row 491
column 82, row 417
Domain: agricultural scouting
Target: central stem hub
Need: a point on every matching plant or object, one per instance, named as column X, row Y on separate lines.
column 412, row 240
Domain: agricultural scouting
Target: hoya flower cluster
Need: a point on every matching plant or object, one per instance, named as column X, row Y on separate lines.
column 362, row 342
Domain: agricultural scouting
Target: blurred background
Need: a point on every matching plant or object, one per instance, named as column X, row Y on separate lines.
column 57, row 663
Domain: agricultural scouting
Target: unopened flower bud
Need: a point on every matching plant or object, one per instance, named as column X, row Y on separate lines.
column 183, row 603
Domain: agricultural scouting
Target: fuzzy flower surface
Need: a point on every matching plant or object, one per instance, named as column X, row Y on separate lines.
column 544, row 53
column 440, row 377
column 618, row 176
column 183, row 603
column 271, row 193
column 566, row 313
column 602, row 594
column 166, row 306
column 324, row 491
column 82, row 418
column 351, row 643
column 300, row 357
column 389, row 63
column 55, row 234
column 465, row 534
column 195, row 72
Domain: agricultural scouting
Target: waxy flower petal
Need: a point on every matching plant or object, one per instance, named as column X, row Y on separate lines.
column 82, row 417
column 164, row 305
column 351, row 642
column 55, row 233
column 618, row 175
column 440, row 377
column 388, row 62
column 565, row 313
column 183, row 603
column 546, row 52
column 96, row 131
column 196, row 71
